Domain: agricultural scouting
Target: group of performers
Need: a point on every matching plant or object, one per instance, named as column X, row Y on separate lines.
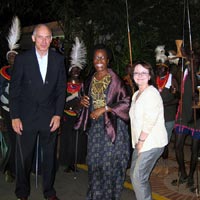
column 179, row 92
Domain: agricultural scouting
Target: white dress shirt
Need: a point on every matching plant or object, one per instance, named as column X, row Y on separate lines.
column 43, row 62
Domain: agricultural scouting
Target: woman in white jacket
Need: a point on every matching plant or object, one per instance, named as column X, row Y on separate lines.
column 149, row 136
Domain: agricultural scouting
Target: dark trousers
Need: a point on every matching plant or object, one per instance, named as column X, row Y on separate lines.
column 9, row 135
column 25, row 150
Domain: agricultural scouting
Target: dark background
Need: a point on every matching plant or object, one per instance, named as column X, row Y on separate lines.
column 152, row 23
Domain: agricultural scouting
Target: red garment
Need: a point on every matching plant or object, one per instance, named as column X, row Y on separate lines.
column 72, row 88
column 161, row 82
column 4, row 72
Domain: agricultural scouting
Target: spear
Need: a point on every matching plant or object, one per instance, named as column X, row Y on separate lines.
column 191, row 49
column 182, row 64
column 182, row 82
column 129, row 35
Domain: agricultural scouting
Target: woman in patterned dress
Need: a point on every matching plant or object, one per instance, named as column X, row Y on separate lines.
column 105, row 114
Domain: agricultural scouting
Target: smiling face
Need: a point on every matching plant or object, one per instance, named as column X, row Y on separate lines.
column 100, row 60
column 42, row 37
column 141, row 76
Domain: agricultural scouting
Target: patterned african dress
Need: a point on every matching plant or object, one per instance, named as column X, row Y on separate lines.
column 107, row 161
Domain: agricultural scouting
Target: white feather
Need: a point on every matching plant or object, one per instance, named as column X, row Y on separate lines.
column 160, row 54
column 172, row 58
column 14, row 34
column 78, row 55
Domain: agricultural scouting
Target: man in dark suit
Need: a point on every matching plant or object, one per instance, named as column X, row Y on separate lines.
column 37, row 96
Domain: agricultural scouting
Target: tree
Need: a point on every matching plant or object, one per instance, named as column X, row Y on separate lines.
column 152, row 23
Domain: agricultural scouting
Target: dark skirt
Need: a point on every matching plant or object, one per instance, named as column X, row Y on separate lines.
column 107, row 161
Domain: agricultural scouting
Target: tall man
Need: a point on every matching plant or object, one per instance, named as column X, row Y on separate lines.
column 37, row 96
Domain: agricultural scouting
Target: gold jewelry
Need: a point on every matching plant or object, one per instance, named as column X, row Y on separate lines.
column 98, row 91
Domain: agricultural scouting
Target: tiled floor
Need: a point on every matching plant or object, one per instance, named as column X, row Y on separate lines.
column 162, row 185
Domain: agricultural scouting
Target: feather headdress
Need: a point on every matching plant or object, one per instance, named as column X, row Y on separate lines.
column 14, row 35
column 78, row 55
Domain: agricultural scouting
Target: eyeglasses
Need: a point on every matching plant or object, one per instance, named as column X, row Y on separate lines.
column 141, row 74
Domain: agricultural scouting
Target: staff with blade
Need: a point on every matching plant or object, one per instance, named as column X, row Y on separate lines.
column 129, row 34
column 128, row 79
column 195, row 142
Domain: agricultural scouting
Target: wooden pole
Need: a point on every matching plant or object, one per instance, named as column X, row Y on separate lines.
column 129, row 35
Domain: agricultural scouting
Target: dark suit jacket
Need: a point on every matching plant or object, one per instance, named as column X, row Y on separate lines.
column 31, row 99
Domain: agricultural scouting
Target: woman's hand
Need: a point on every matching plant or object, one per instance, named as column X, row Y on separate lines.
column 139, row 146
column 141, row 140
column 95, row 114
column 85, row 101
